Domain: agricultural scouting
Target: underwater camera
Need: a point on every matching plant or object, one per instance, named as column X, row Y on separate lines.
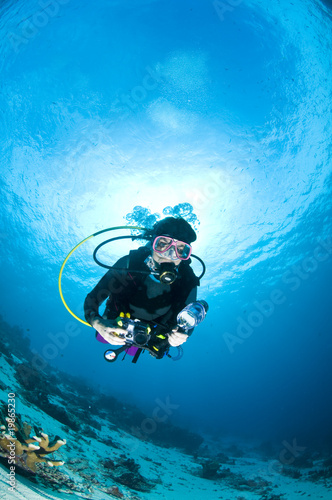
column 138, row 335
column 143, row 336
column 137, row 332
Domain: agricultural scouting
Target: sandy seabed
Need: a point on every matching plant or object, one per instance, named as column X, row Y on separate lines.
column 106, row 461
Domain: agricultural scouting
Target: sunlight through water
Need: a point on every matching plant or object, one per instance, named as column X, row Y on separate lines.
column 117, row 113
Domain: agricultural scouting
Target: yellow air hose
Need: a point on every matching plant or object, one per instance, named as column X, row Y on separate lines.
column 72, row 251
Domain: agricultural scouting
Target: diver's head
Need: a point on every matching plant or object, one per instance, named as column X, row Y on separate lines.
column 171, row 238
column 176, row 228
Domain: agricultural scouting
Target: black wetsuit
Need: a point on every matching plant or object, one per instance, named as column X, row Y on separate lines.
column 140, row 294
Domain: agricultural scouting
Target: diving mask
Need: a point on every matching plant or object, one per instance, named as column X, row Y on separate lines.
column 171, row 249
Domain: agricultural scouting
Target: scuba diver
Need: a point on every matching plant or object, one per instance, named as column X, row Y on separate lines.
column 150, row 286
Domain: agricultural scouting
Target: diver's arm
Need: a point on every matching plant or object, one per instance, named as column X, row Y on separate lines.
column 192, row 297
column 177, row 338
column 109, row 331
column 112, row 283
column 105, row 327
column 95, row 298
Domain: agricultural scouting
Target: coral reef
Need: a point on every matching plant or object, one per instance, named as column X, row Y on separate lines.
column 271, row 496
column 126, row 472
column 303, row 461
column 95, row 424
column 320, row 474
column 17, row 342
column 291, row 472
column 210, row 469
column 128, row 417
column 27, row 451
column 206, row 452
column 40, row 386
column 114, row 490
column 327, row 462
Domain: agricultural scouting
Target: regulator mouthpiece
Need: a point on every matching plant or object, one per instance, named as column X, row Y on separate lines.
column 167, row 273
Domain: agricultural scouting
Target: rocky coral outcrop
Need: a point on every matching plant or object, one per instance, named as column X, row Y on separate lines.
column 126, row 472
column 26, row 451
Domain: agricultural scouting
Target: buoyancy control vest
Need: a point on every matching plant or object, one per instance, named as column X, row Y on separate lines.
column 134, row 290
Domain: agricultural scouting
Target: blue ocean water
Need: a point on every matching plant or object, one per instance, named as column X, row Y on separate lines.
column 225, row 106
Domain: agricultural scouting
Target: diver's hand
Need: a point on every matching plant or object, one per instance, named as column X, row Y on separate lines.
column 109, row 330
column 176, row 338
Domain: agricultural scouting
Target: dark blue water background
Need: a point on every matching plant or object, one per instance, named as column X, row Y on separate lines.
column 225, row 106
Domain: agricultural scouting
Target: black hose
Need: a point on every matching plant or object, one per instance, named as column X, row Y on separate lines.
column 140, row 237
